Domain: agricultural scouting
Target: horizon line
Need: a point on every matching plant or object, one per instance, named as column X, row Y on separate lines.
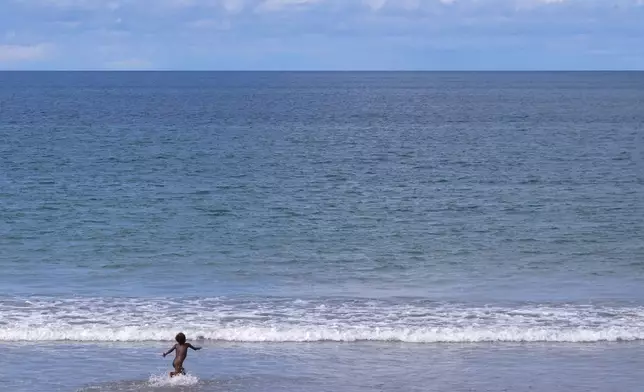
column 326, row 70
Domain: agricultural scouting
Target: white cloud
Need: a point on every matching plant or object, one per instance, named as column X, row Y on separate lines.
column 235, row 6
column 234, row 33
column 529, row 4
column 20, row 53
column 179, row 3
column 375, row 4
column 211, row 24
column 89, row 4
column 274, row 5
column 232, row 5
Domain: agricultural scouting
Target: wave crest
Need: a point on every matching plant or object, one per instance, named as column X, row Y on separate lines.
column 292, row 320
column 309, row 334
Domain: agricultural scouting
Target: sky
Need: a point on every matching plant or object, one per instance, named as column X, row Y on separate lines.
column 322, row 34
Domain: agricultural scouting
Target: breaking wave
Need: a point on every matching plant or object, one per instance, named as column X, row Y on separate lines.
column 292, row 320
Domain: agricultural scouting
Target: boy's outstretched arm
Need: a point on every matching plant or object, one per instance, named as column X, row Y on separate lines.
column 169, row 351
column 193, row 347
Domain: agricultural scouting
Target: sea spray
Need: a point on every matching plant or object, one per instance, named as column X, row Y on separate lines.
column 162, row 380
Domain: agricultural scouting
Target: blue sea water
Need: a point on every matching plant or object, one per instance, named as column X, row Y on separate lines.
column 322, row 231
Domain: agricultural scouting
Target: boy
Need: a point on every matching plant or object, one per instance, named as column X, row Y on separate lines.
column 180, row 356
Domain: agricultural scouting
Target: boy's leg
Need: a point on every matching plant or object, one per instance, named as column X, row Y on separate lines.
column 178, row 369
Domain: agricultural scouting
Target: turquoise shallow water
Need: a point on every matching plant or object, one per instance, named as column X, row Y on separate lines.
column 322, row 218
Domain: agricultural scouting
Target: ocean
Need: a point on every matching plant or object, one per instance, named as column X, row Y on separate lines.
column 322, row 231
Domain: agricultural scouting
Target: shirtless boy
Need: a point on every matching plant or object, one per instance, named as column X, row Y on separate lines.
column 180, row 356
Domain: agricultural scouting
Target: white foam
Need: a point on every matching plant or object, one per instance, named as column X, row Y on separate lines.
column 346, row 334
column 291, row 320
column 162, row 380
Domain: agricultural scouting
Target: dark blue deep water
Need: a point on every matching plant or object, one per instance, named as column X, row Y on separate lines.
column 322, row 231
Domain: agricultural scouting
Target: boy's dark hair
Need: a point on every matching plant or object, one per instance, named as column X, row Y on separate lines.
column 180, row 338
